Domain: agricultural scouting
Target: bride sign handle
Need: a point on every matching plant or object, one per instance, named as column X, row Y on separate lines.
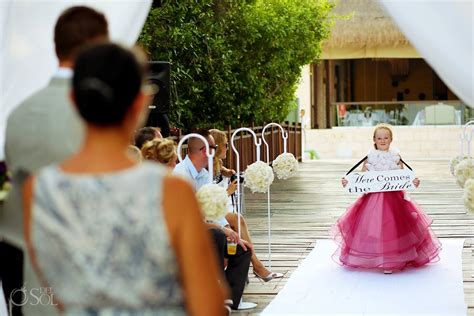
column 209, row 154
column 258, row 143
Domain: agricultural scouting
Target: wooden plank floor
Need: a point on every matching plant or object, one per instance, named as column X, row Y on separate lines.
column 305, row 207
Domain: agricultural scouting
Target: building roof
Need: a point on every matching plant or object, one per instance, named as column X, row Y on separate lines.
column 367, row 24
column 367, row 30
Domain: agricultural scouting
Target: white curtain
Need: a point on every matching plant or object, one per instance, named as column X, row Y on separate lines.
column 442, row 32
column 27, row 58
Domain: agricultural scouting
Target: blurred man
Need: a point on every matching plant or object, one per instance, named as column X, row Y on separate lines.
column 44, row 129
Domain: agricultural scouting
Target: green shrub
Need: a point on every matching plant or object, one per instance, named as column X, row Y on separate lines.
column 235, row 61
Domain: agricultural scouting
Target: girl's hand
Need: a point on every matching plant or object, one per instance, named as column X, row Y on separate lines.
column 364, row 166
column 416, row 182
column 344, row 182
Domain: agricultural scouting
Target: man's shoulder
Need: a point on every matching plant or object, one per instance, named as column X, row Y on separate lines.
column 181, row 168
column 43, row 129
column 181, row 171
column 54, row 94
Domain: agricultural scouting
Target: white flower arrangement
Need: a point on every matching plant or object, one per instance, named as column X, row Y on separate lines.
column 464, row 170
column 258, row 177
column 468, row 195
column 213, row 200
column 455, row 161
column 285, row 166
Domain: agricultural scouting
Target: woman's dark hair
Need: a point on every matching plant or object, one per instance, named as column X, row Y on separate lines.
column 107, row 78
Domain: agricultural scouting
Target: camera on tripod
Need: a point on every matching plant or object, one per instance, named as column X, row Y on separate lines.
column 234, row 177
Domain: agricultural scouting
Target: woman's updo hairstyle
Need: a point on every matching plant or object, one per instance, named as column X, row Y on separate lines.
column 161, row 150
column 107, row 78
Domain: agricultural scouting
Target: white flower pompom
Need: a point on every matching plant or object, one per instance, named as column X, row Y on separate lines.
column 464, row 170
column 468, row 195
column 455, row 161
column 213, row 200
column 285, row 166
column 258, row 177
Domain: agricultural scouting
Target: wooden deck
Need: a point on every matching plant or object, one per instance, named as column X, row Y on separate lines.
column 304, row 208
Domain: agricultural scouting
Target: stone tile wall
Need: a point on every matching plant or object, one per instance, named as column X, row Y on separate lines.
column 412, row 141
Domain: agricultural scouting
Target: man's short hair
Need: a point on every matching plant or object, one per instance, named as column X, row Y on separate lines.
column 144, row 135
column 194, row 143
column 77, row 27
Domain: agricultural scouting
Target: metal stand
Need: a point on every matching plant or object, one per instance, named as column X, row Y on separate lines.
column 257, row 143
column 466, row 138
column 285, row 137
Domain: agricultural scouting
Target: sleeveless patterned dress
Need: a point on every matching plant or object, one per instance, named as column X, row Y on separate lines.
column 101, row 242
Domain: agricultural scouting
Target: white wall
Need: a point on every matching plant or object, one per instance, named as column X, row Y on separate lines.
column 303, row 93
column 412, row 141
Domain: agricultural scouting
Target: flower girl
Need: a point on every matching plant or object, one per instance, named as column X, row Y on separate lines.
column 384, row 230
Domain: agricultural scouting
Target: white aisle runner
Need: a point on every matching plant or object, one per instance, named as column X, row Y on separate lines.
column 319, row 286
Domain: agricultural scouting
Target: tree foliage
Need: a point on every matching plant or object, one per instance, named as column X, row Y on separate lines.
column 235, row 61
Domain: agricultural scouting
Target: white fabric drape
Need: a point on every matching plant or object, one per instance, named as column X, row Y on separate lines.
column 442, row 32
column 27, row 58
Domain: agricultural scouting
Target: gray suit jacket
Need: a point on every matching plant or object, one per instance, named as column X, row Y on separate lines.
column 44, row 129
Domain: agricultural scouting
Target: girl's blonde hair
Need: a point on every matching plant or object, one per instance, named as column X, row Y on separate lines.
column 161, row 150
column 385, row 127
column 220, row 138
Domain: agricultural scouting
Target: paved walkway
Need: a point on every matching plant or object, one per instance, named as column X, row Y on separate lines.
column 306, row 206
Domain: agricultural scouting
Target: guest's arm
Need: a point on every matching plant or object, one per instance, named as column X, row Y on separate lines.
column 195, row 254
column 227, row 172
column 28, row 188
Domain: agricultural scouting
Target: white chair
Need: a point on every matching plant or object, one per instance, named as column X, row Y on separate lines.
column 440, row 114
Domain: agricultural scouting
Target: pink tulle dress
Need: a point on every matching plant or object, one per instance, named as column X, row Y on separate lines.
column 384, row 230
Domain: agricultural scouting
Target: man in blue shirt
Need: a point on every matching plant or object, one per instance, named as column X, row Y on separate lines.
column 193, row 167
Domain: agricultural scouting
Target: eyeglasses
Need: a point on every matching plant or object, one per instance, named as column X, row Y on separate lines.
column 210, row 146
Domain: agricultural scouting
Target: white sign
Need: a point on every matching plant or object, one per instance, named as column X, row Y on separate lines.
column 380, row 181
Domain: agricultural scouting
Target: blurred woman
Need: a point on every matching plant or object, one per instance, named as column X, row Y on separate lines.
column 110, row 235
column 134, row 153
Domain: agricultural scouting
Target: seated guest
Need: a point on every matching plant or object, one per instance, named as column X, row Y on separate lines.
column 193, row 167
column 109, row 235
column 221, row 174
column 134, row 153
column 146, row 134
column 162, row 151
